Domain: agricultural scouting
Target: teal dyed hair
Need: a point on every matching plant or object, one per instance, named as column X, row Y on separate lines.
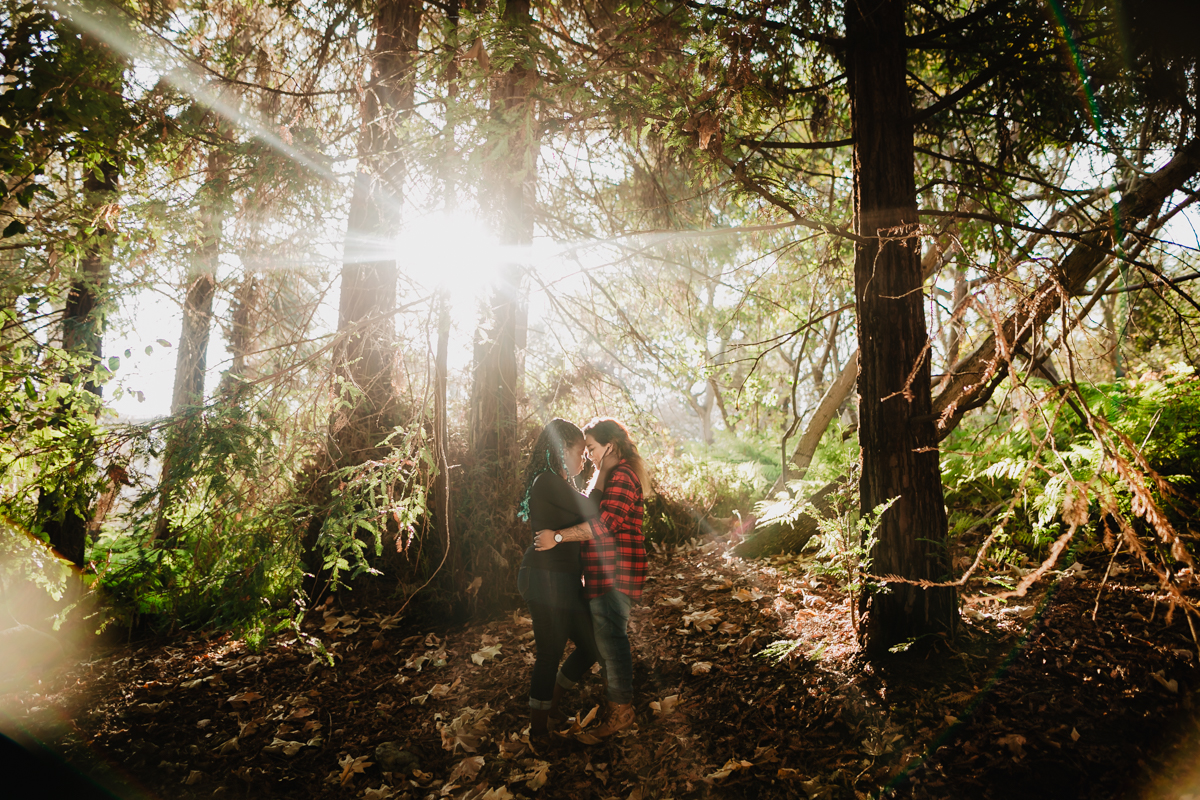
column 549, row 454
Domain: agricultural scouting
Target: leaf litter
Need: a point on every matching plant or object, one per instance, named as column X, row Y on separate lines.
column 1043, row 698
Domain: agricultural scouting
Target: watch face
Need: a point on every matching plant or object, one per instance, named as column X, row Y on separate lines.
column 558, row 537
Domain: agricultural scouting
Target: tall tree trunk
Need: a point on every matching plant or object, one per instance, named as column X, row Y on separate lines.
column 364, row 354
column 899, row 454
column 63, row 512
column 191, row 358
column 246, row 299
column 509, row 199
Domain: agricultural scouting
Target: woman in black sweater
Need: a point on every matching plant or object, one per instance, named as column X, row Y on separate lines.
column 550, row 580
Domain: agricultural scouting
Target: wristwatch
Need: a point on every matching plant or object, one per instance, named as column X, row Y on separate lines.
column 557, row 537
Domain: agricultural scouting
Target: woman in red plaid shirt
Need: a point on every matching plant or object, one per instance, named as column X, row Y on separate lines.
column 614, row 559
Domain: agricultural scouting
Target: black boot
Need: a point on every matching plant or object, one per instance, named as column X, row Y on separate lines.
column 539, row 727
column 558, row 717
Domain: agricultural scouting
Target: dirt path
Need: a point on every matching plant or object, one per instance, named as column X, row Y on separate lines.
column 1034, row 701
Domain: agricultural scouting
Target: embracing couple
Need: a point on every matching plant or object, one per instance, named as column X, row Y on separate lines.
column 585, row 567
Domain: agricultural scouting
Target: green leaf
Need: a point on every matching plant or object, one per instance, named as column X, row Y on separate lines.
column 30, row 389
column 114, row 363
column 149, row 350
column 14, row 228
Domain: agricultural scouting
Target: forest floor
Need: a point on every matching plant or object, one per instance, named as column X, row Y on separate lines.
column 1033, row 699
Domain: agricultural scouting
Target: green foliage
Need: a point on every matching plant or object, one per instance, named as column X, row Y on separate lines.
column 27, row 561
column 58, row 99
column 704, row 483
column 231, row 556
column 844, row 544
column 780, row 523
column 1054, row 466
column 779, row 650
column 844, row 539
column 710, row 483
column 50, row 437
column 372, row 498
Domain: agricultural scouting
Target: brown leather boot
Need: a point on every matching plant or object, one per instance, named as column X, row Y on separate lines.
column 618, row 717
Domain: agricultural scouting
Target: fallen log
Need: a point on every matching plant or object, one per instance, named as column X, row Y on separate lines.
column 777, row 538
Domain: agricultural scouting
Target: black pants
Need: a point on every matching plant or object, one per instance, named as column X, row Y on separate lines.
column 554, row 623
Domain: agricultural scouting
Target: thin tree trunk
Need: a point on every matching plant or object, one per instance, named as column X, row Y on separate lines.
column 958, row 325
column 441, row 423
column 191, row 359
column 899, row 453
column 827, row 409
column 716, row 393
column 441, row 437
column 818, row 370
column 1121, row 324
column 246, row 299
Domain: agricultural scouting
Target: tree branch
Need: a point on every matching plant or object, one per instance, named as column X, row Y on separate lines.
column 972, row 380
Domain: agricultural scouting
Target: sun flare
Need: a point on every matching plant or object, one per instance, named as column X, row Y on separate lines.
column 450, row 250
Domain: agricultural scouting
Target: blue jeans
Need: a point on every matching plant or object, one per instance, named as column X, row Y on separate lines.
column 610, row 618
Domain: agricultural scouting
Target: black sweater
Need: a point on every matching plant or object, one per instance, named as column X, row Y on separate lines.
column 555, row 505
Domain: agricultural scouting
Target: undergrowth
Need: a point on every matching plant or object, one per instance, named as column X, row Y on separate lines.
column 1090, row 463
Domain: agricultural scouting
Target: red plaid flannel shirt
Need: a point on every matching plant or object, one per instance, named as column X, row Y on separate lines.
column 615, row 558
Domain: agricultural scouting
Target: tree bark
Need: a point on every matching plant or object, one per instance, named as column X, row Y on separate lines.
column 827, row 409
column 974, row 379
column 191, row 358
column 63, row 512
column 363, row 356
column 511, row 188
column 958, row 326
column 246, row 299
column 899, row 452
column 441, row 426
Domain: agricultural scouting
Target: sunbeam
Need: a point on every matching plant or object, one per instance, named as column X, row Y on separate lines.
column 185, row 81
